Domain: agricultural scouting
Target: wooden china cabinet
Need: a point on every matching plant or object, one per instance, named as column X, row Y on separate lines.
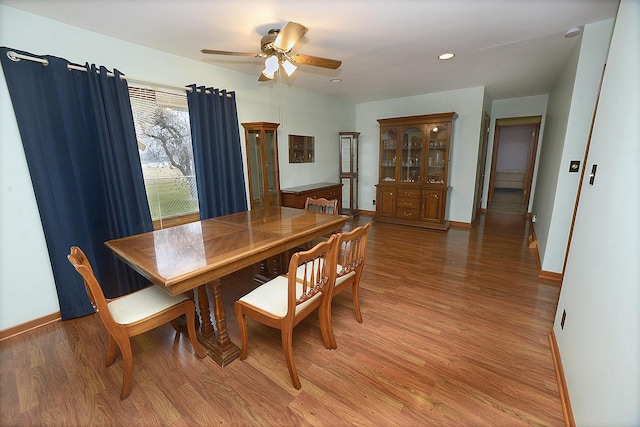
column 262, row 163
column 413, row 184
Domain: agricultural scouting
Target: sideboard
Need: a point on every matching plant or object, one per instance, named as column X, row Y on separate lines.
column 295, row 197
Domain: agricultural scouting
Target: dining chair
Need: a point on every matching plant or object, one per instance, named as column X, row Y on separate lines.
column 351, row 249
column 321, row 205
column 133, row 314
column 318, row 205
column 286, row 300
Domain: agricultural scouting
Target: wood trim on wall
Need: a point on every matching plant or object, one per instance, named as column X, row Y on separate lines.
column 550, row 275
column 542, row 274
column 32, row 324
column 569, row 420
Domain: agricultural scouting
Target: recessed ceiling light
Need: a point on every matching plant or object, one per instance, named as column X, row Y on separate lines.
column 335, row 80
column 445, row 56
column 572, row 32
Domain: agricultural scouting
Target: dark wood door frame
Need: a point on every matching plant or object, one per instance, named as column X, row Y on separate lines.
column 534, row 122
column 482, row 162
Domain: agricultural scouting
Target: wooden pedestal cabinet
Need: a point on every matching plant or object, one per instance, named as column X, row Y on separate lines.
column 413, row 185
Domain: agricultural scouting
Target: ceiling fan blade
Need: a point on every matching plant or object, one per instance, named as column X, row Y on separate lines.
column 225, row 52
column 316, row 61
column 289, row 36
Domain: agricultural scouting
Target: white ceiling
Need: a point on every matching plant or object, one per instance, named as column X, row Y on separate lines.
column 388, row 48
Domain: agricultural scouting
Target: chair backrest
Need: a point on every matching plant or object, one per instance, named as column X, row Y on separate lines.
column 352, row 250
column 321, row 205
column 312, row 272
column 80, row 262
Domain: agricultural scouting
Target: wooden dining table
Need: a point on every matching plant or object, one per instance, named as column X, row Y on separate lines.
column 189, row 257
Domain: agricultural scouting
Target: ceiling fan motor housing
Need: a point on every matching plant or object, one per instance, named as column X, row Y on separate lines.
column 266, row 43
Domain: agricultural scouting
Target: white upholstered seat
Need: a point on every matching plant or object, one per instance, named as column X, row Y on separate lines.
column 141, row 304
column 272, row 297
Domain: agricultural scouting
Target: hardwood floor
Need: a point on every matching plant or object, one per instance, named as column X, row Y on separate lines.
column 507, row 201
column 455, row 333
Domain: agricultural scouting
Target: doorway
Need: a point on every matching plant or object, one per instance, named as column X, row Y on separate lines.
column 514, row 148
column 482, row 161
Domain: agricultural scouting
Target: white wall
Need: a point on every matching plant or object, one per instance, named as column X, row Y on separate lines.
column 27, row 291
column 467, row 103
column 508, row 108
column 600, row 343
column 569, row 116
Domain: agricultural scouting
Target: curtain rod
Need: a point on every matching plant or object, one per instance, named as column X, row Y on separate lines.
column 14, row 56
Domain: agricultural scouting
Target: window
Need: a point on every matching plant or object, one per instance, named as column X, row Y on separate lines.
column 166, row 154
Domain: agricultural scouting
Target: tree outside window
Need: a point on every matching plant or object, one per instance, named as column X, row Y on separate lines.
column 166, row 153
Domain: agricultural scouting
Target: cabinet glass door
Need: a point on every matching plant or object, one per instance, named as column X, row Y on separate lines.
column 388, row 153
column 271, row 163
column 438, row 155
column 255, row 169
column 346, row 155
column 262, row 164
column 411, row 155
column 349, row 172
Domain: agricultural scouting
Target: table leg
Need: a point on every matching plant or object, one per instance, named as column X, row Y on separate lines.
column 206, row 328
column 221, row 349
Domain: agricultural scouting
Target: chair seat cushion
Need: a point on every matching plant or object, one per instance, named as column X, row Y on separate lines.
column 272, row 297
column 141, row 304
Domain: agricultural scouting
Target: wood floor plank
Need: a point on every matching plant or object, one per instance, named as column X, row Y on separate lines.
column 454, row 333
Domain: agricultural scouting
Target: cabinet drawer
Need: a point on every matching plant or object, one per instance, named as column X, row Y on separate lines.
column 408, row 213
column 409, row 203
column 408, row 194
column 314, row 195
column 330, row 194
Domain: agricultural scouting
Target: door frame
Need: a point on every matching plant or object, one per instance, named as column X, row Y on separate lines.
column 533, row 121
column 482, row 164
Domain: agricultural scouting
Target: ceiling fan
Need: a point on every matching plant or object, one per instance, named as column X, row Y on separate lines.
column 276, row 48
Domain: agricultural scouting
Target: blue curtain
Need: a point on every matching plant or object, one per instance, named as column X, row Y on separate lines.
column 216, row 151
column 79, row 140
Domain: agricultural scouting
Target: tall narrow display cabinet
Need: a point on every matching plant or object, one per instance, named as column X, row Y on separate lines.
column 415, row 164
column 262, row 163
column 349, row 172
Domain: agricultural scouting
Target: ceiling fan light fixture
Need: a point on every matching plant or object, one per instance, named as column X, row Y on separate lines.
column 288, row 66
column 271, row 64
column 268, row 75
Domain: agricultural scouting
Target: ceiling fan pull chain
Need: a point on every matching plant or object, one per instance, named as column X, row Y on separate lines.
column 280, row 99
